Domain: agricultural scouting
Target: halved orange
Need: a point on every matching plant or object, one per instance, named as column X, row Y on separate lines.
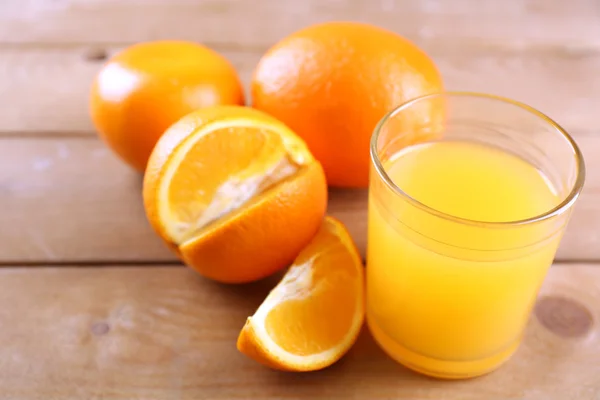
column 234, row 192
column 314, row 315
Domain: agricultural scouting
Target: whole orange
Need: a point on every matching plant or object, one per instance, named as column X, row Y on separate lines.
column 332, row 82
column 145, row 88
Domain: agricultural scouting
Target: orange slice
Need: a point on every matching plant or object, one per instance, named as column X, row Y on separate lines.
column 314, row 315
column 234, row 192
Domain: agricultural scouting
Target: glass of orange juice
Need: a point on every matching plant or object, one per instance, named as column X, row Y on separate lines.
column 468, row 200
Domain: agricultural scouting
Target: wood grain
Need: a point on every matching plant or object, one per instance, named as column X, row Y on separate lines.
column 68, row 199
column 47, row 88
column 165, row 333
column 65, row 199
column 160, row 331
column 515, row 23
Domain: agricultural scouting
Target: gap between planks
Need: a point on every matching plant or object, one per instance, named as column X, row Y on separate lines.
column 7, row 265
column 573, row 50
column 93, row 264
column 92, row 135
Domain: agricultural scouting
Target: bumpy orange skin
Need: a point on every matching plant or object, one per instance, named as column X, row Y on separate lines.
column 331, row 83
column 145, row 88
column 267, row 236
column 248, row 345
column 262, row 239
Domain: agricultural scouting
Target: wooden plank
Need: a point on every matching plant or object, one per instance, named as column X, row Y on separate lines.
column 68, row 199
column 48, row 88
column 165, row 333
column 513, row 23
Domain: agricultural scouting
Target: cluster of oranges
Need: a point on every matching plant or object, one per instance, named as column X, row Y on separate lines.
column 240, row 192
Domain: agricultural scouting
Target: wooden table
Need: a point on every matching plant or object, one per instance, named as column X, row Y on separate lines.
column 95, row 307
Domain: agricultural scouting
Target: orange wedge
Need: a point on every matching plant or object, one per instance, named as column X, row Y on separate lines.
column 314, row 315
column 234, row 192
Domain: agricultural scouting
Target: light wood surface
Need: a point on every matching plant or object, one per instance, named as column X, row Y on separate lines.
column 95, row 307
column 165, row 333
column 241, row 23
column 105, row 221
column 41, row 80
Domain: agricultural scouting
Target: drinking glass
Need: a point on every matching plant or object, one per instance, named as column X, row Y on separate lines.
column 448, row 295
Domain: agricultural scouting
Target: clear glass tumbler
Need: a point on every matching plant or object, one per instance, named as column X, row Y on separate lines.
column 469, row 197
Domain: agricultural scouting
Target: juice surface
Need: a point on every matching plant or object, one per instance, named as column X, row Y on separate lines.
column 443, row 297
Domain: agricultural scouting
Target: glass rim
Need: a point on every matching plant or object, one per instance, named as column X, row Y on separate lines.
column 557, row 210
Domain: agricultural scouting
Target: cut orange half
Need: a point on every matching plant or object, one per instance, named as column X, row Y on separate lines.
column 235, row 192
column 314, row 315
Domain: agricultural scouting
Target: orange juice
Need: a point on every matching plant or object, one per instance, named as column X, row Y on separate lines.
column 446, row 294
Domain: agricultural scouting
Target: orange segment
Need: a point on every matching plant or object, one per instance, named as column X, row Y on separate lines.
column 256, row 159
column 313, row 316
column 223, row 186
column 222, row 166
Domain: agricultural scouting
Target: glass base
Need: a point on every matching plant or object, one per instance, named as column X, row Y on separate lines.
column 438, row 368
